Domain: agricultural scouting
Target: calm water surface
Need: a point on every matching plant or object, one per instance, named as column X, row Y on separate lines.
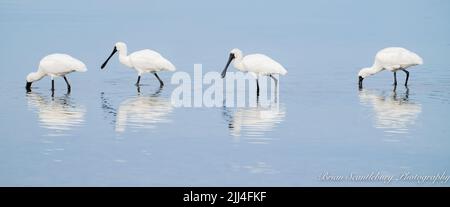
column 105, row 133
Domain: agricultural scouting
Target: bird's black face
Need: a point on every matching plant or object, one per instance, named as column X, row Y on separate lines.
column 360, row 82
column 104, row 64
column 28, row 86
column 224, row 72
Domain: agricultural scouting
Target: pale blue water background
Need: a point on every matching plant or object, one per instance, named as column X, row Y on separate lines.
column 324, row 124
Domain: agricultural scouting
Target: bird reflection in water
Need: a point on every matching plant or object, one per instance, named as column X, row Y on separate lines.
column 58, row 114
column 139, row 112
column 394, row 113
column 254, row 122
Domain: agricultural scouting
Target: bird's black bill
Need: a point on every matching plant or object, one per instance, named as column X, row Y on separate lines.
column 104, row 64
column 224, row 72
column 28, row 86
column 360, row 82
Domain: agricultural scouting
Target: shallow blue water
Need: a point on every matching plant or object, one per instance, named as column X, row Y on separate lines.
column 105, row 133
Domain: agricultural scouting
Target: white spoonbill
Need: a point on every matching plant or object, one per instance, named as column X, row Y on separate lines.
column 56, row 65
column 143, row 61
column 256, row 64
column 392, row 59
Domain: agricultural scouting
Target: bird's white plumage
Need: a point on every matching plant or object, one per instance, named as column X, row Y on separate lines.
column 258, row 64
column 60, row 64
column 150, row 61
column 55, row 65
column 394, row 58
column 144, row 61
column 262, row 65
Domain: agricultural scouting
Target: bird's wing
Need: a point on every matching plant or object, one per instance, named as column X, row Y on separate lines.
column 75, row 64
column 397, row 57
column 61, row 63
column 149, row 59
column 262, row 64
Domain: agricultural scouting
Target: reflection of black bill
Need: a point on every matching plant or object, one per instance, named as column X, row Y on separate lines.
column 224, row 72
column 113, row 52
column 28, row 86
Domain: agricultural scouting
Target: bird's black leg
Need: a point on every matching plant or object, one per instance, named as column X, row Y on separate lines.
column 161, row 84
column 138, row 80
column 276, row 81
column 257, row 87
column 395, row 78
column 68, row 84
column 407, row 76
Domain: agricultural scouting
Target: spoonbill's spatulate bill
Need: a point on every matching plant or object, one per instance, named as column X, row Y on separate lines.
column 143, row 61
column 392, row 59
column 56, row 65
column 256, row 64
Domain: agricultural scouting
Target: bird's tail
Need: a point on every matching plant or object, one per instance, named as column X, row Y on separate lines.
column 82, row 70
column 171, row 67
column 283, row 71
column 81, row 67
column 417, row 59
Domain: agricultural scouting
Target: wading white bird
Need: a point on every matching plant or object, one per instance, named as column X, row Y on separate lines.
column 143, row 61
column 392, row 59
column 255, row 64
column 56, row 65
